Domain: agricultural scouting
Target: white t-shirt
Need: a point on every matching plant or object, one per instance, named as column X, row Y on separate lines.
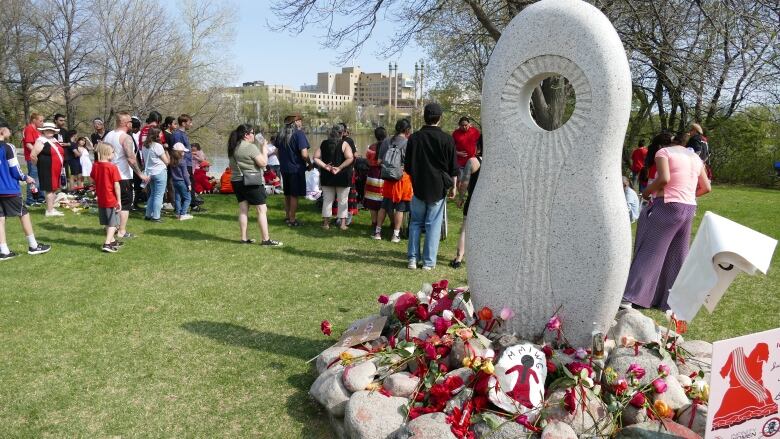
column 120, row 159
column 86, row 162
column 153, row 159
column 273, row 160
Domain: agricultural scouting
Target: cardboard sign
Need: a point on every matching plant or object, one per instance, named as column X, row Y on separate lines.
column 745, row 387
column 364, row 330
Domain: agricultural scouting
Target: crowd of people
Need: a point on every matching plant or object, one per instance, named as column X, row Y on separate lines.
column 405, row 174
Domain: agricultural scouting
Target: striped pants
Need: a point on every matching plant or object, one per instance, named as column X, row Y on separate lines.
column 662, row 241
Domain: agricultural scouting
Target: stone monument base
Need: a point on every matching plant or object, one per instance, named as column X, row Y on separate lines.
column 441, row 369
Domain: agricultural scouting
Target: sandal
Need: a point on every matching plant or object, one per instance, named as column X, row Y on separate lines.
column 247, row 241
column 456, row 263
column 295, row 223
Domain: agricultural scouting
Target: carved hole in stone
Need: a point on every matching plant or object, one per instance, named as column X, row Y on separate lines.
column 552, row 101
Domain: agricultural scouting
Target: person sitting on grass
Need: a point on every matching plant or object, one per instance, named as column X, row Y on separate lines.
column 203, row 183
column 225, row 186
column 11, row 198
column 272, row 179
column 106, row 177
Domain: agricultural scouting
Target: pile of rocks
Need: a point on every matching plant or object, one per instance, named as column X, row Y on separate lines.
column 358, row 409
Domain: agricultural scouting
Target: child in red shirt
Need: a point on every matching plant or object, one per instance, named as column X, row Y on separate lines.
column 105, row 176
column 203, row 183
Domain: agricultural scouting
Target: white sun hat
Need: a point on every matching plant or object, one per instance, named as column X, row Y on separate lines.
column 49, row 126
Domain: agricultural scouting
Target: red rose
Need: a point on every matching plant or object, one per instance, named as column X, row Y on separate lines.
column 430, row 351
column 620, row 386
column 443, row 368
column 441, row 326
column 416, row 412
column 383, row 299
column 576, row 367
column 570, row 401
column 485, row 314
column 638, row 400
column 422, row 312
column 453, row 383
column 551, row 367
column 459, row 314
column 406, row 301
column 481, row 386
column 325, row 327
column 442, row 304
column 480, row 402
column 548, row 351
column 443, row 351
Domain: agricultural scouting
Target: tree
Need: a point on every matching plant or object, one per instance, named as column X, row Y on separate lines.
column 64, row 26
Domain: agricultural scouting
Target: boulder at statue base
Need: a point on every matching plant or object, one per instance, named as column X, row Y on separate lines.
column 371, row 415
column 581, row 421
column 329, row 390
column 657, row 430
column 649, row 360
column 699, row 423
column 558, row 430
column 430, row 426
column 401, row 384
column 358, row 376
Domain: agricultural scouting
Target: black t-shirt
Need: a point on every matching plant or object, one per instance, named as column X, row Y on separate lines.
column 431, row 163
column 66, row 136
column 332, row 154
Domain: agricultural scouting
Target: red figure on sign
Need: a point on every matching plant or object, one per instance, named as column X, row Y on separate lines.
column 522, row 389
column 746, row 398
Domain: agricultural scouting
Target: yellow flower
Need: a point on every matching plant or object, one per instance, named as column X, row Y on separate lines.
column 663, row 409
column 346, row 357
column 373, row 386
column 488, row 367
column 477, row 362
column 467, row 361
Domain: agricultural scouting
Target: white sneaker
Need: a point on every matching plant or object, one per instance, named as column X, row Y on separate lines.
column 427, row 268
column 412, row 265
column 377, row 236
column 186, row 217
column 54, row 213
column 167, row 206
column 626, row 305
column 395, row 238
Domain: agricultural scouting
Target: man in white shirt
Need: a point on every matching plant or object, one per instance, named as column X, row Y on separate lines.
column 125, row 160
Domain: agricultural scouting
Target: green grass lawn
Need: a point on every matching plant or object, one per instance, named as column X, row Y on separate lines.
column 185, row 333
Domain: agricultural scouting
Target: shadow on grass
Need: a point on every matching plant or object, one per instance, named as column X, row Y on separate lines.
column 95, row 244
column 237, row 335
column 187, row 234
column 68, row 228
column 367, row 256
column 299, row 405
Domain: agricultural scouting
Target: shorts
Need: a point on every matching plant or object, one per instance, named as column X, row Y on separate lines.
column 108, row 216
column 389, row 206
column 254, row 195
column 12, row 206
column 126, row 194
column 294, row 184
column 75, row 167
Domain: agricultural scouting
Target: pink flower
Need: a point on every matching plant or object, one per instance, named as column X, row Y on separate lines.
column 554, row 324
column 580, row 353
column 430, row 351
column 659, row 385
column 575, row 367
column 383, row 299
column 664, row 370
column 621, row 385
column 638, row 400
column 441, row 326
column 506, row 313
column 422, row 312
column 403, row 303
column 325, row 327
column 636, row 370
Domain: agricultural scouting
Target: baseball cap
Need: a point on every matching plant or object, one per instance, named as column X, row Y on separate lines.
column 433, row 109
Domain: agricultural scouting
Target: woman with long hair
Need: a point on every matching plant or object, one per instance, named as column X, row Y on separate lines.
column 372, row 198
column 664, row 229
column 397, row 194
column 466, row 187
column 334, row 159
column 156, row 162
column 246, row 158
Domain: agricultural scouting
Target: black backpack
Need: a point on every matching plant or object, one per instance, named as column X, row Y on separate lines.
column 392, row 163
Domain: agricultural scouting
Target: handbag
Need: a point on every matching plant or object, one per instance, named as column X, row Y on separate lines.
column 250, row 178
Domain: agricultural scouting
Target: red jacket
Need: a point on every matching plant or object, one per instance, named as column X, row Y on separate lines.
column 202, row 183
column 638, row 159
column 465, row 141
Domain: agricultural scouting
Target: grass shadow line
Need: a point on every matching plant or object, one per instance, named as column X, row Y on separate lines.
column 187, row 234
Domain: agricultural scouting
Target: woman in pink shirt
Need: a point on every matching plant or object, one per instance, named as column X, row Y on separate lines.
column 664, row 229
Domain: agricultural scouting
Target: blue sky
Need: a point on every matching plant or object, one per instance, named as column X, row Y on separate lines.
column 267, row 48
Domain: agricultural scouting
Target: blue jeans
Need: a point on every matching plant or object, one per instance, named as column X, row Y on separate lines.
column 157, row 185
column 32, row 171
column 182, row 198
column 429, row 216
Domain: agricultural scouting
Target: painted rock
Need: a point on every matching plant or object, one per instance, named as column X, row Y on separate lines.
column 518, row 384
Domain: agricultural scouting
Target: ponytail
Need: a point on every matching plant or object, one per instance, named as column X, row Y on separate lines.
column 236, row 136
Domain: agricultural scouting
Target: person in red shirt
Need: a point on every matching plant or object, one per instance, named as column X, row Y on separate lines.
column 465, row 137
column 106, row 177
column 638, row 157
column 29, row 136
column 203, row 183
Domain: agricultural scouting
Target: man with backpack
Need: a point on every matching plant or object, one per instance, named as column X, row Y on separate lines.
column 397, row 186
column 699, row 144
column 431, row 163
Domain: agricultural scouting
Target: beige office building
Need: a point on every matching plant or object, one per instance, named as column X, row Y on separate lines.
column 324, row 102
column 368, row 89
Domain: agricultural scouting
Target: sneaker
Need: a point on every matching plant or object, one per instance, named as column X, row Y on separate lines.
column 167, row 206
column 247, row 241
column 42, row 248
column 395, row 238
column 412, row 265
column 271, row 243
column 54, row 213
column 377, row 236
column 109, row 248
column 156, row 220
column 186, row 217
column 199, row 209
column 626, row 305
column 427, row 268
column 117, row 243
column 7, row 256
column 127, row 235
